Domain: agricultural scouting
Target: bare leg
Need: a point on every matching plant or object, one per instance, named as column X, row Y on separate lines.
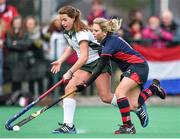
column 103, row 84
column 133, row 96
column 69, row 103
column 78, row 78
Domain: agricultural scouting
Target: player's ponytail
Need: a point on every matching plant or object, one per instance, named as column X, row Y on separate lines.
column 113, row 25
column 110, row 26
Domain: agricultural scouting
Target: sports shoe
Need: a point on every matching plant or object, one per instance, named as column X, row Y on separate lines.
column 158, row 91
column 142, row 114
column 65, row 129
column 126, row 129
column 13, row 98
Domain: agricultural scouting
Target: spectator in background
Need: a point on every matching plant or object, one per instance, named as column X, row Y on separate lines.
column 2, row 37
column 135, row 30
column 97, row 10
column 134, row 18
column 137, row 16
column 7, row 13
column 2, row 33
column 36, row 62
column 17, row 42
column 155, row 33
column 168, row 24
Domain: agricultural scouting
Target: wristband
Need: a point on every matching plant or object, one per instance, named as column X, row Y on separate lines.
column 70, row 72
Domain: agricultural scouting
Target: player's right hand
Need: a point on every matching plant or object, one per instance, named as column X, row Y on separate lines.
column 56, row 65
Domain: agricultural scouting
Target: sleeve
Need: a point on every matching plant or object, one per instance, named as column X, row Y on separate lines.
column 8, row 40
column 102, row 63
column 25, row 42
column 166, row 35
column 83, row 36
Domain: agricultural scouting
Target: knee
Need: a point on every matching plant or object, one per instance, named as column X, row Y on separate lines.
column 68, row 90
column 121, row 92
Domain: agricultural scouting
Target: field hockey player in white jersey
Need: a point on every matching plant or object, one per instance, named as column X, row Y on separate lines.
column 82, row 41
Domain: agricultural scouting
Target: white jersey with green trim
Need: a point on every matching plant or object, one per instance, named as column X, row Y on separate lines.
column 74, row 38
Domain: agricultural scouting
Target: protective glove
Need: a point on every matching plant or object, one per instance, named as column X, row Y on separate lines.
column 81, row 87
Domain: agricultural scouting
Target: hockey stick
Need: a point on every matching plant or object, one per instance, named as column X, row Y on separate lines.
column 37, row 113
column 28, row 107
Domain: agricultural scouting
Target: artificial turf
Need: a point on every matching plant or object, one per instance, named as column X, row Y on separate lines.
column 94, row 122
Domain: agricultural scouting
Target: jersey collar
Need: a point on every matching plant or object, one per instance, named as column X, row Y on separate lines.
column 104, row 40
column 69, row 33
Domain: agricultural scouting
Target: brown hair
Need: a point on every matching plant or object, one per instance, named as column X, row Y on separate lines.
column 52, row 27
column 11, row 30
column 74, row 13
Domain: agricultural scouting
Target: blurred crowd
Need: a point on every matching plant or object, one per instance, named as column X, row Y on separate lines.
column 27, row 48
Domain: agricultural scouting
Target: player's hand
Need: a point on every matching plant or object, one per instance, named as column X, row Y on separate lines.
column 56, row 65
column 68, row 75
column 81, row 87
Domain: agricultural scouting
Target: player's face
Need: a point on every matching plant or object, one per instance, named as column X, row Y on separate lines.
column 67, row 22
column 98, row 33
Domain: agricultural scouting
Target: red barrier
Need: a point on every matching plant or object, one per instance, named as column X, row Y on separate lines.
column 158, row 54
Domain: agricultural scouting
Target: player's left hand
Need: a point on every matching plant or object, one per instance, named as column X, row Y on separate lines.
column 81, row 87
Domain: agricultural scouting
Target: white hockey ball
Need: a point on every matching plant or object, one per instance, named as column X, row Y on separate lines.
column 16, row 128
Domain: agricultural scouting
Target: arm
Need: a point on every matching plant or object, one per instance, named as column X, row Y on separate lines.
column 25, row 42
column 9, row 41
column 57, row 64
column 21, row 44
column 148, row 33
column 166, row 35
column 84, row 53
column 102, row 63
column 68, row 51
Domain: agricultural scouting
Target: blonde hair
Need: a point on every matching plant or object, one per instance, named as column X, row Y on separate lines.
column 110, row 26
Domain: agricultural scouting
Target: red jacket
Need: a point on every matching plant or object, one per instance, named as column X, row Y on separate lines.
column 8, row 15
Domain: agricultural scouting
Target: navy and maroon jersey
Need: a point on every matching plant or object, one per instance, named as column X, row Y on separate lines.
column 120, row 52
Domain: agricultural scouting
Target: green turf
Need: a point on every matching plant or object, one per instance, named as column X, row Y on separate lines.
column 95, row 122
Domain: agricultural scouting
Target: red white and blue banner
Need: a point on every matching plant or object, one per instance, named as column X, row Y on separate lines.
column 164, row 64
